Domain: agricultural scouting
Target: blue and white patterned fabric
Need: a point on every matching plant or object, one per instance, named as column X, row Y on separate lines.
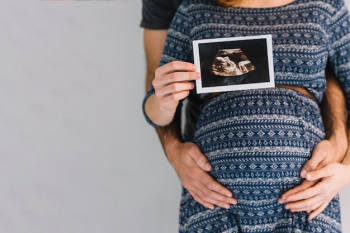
column 258, row 140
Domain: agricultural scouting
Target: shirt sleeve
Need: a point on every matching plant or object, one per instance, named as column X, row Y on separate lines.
column 157, row 14
column 339, row 48
column 177, row 48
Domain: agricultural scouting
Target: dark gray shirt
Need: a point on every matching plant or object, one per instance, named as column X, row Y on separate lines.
column 158, row 14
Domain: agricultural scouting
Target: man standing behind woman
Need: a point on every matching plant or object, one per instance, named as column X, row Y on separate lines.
column 325, row 176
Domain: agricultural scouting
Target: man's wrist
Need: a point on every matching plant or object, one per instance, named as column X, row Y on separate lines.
column 347, row 167
column 171, row 140
column 340, row 143
column 346, row 161
column 171, row 150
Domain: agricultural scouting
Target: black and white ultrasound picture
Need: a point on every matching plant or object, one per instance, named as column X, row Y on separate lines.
column 234, row 62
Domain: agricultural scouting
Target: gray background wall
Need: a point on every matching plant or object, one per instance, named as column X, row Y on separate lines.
column 75, row 152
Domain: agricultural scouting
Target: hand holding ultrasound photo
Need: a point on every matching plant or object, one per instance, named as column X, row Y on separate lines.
column 236, row 63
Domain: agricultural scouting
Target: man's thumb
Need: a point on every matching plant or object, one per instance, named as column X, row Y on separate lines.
column 200, row 159
column 317, row 157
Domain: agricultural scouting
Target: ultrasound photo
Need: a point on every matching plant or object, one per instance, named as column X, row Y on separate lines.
column 231, row 62
column 237, row 63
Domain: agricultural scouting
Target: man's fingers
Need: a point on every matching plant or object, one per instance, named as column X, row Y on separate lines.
column 324, row 163
column 318, row 211
column 209, row 196
column 204, row 193
column 215, row 198
column 199, row 200
column 199, row 158
column 310, row 165
column 213, row 185
column 175, row 66
column 216, row 189
column 219, row 197
column 201, row 197
column 322, row 173
column 306, row 184
column 318, row 154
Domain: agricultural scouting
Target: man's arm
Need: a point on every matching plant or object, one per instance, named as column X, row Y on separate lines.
column 186, row 158
column 315, row 194
column 153, row 41
column 333, row 110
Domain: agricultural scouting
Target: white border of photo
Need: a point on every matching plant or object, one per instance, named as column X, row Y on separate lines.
column 235, row 87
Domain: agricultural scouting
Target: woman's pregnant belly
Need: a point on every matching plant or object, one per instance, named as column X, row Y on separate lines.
column 257, row 141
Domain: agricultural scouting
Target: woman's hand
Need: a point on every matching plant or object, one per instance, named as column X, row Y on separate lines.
column 324, row 154
column 334, row 177
column 172, row 84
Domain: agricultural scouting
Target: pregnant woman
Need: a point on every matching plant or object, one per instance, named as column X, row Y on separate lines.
column 256, row 140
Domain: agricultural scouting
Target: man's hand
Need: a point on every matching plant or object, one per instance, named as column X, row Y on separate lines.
column 310, row 196
column 334, row 177
column 192, row 166
column 324, row 153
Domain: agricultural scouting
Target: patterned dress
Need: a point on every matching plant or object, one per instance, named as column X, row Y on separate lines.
column 258, row 140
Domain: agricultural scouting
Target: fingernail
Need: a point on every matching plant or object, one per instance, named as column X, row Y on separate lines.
column 284, row 198
column 308, row 176
column 286, row 207
column 280, row 201
column 227, row 206
column 303, row 173
column 233, row 202
column 194, row 67
column 207, row 166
